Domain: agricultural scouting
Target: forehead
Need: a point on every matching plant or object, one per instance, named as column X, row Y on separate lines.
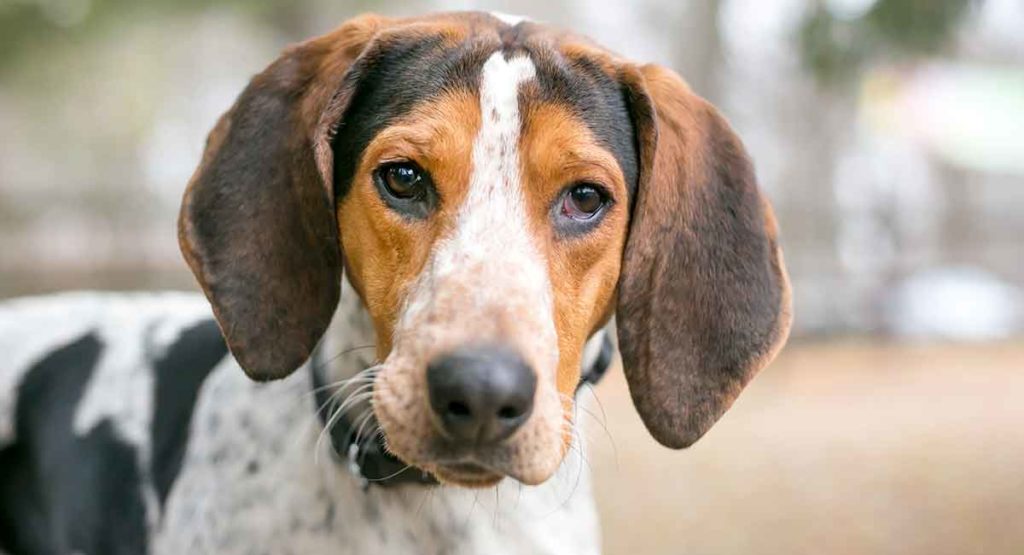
column 407, row 70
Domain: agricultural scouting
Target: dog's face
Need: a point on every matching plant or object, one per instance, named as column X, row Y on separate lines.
column 498, row 192
column 485, row 213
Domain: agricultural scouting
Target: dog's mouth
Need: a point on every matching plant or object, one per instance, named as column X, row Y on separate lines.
column 466, row 474
column 369, row 450
column 419, row 432
column 451, row 465
column 468, row 466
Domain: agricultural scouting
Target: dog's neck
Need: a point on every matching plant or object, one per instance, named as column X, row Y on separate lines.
column 347, row 349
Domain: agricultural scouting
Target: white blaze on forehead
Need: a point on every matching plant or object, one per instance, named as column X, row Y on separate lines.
column 493, row 229
column 491, row 262
column 510, row 19
column 486, row 281
column 494, row 205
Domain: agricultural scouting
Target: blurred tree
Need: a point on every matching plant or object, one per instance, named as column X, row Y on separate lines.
column 835, row 44
column 28, row 25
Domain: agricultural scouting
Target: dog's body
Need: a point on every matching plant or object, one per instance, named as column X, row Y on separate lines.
column 465, row 200
column 126, row 428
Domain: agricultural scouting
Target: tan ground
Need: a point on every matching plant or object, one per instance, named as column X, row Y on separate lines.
column 842, row 448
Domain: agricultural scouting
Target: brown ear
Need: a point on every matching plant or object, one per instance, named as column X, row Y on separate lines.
column 703, row 297
column 257, row 222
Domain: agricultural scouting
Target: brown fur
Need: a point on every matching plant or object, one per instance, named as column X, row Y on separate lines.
column 704, row 296
column 703, row 299
column 558, row 150
column 385, row 252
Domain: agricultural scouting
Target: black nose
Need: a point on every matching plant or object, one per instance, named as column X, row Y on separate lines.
column 481, row 394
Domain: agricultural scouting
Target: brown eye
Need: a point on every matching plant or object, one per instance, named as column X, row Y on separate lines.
column 406, row 188
column 583, row 202
column 403, row 180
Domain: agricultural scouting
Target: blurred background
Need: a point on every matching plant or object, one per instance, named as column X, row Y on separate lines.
column 889, row 134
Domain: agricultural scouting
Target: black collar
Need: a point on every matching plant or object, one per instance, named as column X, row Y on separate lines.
column 368, row 459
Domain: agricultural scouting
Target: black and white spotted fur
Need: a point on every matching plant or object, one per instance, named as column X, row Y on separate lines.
column 126, row 428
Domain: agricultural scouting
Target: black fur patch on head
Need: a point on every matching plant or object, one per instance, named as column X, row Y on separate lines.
column 397, row 76
column 179, row 374
column 61, row 492
column 594, row 97
column 392, row 81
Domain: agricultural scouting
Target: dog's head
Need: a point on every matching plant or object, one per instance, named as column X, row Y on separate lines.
column 495, row 192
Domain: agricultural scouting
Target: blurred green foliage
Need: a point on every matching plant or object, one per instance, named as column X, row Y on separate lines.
column 834, row 47
column 30, row 25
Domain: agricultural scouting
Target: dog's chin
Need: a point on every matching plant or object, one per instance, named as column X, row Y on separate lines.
column 458, row 468
column 466, row 475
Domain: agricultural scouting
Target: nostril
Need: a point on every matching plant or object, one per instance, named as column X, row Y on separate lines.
column 458, row 409
column 509, row 412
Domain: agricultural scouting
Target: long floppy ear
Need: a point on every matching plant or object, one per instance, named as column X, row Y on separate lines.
column 704, row 299
column 257, row 224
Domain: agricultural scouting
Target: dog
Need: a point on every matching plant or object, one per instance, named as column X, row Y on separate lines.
column 413, row 234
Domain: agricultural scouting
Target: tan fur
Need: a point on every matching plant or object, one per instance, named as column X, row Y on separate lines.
column 271, row 265
column 385, row 252
column 558, row 150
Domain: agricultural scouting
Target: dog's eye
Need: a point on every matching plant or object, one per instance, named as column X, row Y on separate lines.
column 406, row 188
column 583, row 202
column 403, row 180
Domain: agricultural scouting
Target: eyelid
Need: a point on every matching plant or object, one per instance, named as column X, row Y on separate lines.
column 396, row 159
column 604, row 190
column 593, row 171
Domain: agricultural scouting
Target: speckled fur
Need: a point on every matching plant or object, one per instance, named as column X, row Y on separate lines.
column 252, row 481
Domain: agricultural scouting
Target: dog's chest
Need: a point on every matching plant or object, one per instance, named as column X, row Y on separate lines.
column 255, row 480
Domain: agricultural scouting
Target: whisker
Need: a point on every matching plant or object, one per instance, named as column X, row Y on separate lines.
column 342, row 383
column 335, row 416
column 353, row 400
column 323, row 433
column 604, row 423
column 344, row 352
column 364, row 419
column 390, row 476
column 332, row 401
column 578, row 405
column 365, row 377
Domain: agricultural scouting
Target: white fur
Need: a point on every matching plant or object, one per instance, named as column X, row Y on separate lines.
column 124, row 323
column 489, row 268
column 294, row 502
column 491, row 254
column 486, row 281
column 510, row 19
column 133, row 331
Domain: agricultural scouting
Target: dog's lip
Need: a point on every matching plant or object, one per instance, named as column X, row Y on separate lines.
column 469, row 474
column 463, row 465
column 471, row 468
